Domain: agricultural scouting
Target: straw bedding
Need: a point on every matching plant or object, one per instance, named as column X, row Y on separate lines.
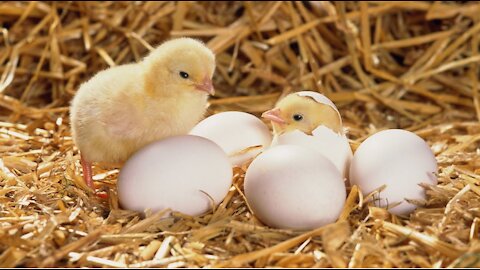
column 410, row 65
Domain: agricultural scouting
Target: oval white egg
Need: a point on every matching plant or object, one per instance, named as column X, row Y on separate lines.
column 237, row 133
column 293, row 187
column 332, row 145
column 398, row 159
column 177, row 173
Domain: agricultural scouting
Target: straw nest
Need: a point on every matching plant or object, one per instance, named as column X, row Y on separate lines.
column 410, row 65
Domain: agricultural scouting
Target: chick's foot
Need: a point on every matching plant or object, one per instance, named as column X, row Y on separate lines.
column 87, row 172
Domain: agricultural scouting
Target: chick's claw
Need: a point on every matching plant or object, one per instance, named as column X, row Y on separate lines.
column 88, row 177
column 102, row 195
column 87, row 172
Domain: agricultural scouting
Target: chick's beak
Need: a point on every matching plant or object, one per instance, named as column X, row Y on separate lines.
column 274, row 116
column 206, row 86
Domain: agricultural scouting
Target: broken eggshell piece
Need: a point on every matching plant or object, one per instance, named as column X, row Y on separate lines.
column 332, row 145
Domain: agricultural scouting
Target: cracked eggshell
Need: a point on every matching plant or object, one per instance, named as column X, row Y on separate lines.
column 237, row 133
column 177, row 173
column 293, row 187
column 332, row 145
column 320, row 99
column 398, row 159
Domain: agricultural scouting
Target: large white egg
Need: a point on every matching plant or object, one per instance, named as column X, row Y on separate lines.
column 237, row 133
column 177, row 173
column 293, row 187
column 398, row 159
column 332, row 145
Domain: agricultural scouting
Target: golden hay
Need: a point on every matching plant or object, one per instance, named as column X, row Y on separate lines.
column 411, row 65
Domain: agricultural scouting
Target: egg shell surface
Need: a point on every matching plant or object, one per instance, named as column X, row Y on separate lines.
column 235, row 132
column 293, row 187
column 175, row 173
column 398, row 159
column 332, row 145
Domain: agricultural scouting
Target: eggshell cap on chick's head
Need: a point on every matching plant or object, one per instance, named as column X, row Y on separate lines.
column 320, row 99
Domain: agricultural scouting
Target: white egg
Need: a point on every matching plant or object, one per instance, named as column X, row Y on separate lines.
column 398, row 159
column 293, row 187
column 332, row 145
column 241, row 135
column 177, row 173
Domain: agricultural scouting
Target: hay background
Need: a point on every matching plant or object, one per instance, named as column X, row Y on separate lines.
column 411, row 65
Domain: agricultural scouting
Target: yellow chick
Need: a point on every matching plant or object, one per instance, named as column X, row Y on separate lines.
column 126, row 107
column 301, row 111
column 309, row 119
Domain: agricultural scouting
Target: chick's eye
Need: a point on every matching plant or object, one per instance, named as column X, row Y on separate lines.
column 183, row 74
column 297, row 117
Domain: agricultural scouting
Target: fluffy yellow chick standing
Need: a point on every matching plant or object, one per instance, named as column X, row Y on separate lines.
column 124, row 108
column 310, row 119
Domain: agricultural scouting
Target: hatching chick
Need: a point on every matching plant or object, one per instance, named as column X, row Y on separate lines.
column 303, row 113
column 126, row 107
column 309, row 119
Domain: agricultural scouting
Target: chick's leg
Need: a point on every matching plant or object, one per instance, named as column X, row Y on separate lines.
column 87, row 172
